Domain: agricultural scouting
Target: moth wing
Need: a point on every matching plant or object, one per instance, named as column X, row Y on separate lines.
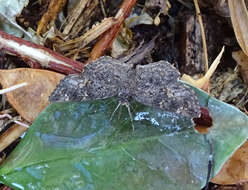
column 100, row 79
column 106, row 76
column 67, row 88
column 158, row 85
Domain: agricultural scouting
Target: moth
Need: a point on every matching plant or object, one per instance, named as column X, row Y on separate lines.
column 155, row 84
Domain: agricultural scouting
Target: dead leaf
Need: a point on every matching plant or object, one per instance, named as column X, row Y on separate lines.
column 29, row 100
column 235, row 170
column 242, row 60
column 55, row 6
column 239, row 17
column 10, row 135
column 203, row 83
column 227, row 86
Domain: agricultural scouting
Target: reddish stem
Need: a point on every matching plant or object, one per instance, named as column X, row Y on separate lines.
column 106, row 41
column 35, row 54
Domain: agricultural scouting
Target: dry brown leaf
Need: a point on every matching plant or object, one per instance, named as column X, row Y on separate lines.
column 235, row 170
column 10, row 135
column 239, row 17
column 242, row 61
column 55, row 6
column 203, row 83
column 29, row 100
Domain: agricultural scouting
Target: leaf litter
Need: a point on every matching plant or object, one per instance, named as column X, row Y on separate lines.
column 111, row 34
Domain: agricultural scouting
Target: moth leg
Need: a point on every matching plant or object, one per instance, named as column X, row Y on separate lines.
column 126, row 104
column 119, row 114
column 117, row 107
column 129, row 112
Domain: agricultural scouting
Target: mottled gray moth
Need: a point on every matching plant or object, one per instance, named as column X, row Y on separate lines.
column 155, row 84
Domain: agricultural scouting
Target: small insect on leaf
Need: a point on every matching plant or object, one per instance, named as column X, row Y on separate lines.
column 155, row 84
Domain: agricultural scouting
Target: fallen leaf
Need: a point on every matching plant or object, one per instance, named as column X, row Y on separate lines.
column 239, row 17
column 29, row 100
column 82, row 147
column 235, row 169
column 227, row 86
column 10, row 135
column 242, row 60
column 203, row 83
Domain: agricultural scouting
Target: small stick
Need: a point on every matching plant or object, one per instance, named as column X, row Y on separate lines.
column 106, row 41
column 3, row 91
column 88, row 36
column 74, row 16
column 15, row 121
column 210, row 162
column 199, row 17
column 102, row 8
column 10, row 135
column 55, row 6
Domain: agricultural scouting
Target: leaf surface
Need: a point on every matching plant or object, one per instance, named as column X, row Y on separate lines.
column 77, row 146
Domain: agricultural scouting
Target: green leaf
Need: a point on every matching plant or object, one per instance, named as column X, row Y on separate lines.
column 77, row 146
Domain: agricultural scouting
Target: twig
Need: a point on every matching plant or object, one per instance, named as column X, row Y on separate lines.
column 102, row 8
column 54, row 8
column 15, row 121
column 199, row 17
column 35, row 54
column 89, row 36
column 106, row 41
column 3, row 91
column 210, row 161
column 11, row 134
column 74, row 16
column 185, row 4
column 84, row 18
